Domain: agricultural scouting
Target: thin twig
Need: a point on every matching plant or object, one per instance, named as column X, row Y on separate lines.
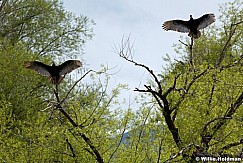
column 85, row 138
column 228, row 146
column 74, row 86
column 93, row 148
column 227, row 44
column 213, row 120
column 183, row 43
column 120, row 141
column 125, row 52
column 70, row 147
column 160, row 149
column 191, row 58
column 179, row 153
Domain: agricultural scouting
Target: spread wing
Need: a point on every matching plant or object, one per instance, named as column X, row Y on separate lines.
column 69, row 66
column 205, row 21
column 37, row 66
column 176, row 25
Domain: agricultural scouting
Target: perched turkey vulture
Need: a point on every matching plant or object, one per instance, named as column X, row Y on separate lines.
column 55, row 73
column 192, row 26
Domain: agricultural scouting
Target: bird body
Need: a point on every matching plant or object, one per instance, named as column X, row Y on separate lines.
column 55, row 73
column 192, row 26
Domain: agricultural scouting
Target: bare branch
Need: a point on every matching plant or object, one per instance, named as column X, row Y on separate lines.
column 120, row 141
column 125, row 52
column 43, row 50
column 238, row 23
column 160, row 150
column 179, row 153
column 212, row 90
column 59, row 107
column 70, row 147
column 141, row 132
column 191, row 58
column 222, row 139
column 141, row 90
column 229, row 113
column 93, row 148
column 228, row 146
column 85, row 138
column 173, row 86
column 227, row 44
column 75, row 85
column 213, row 120
column 183, row 43
column 187, row 88
column 207, row 136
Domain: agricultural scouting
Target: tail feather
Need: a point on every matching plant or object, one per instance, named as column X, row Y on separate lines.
column 195, row 35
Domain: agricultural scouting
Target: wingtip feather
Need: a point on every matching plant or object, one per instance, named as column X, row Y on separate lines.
column 78, row 63
column 27, row 64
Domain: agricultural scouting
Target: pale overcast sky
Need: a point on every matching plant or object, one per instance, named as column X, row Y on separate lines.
column 142, row 20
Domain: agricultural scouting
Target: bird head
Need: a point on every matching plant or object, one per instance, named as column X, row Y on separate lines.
column 53, row 63
column 191, row 17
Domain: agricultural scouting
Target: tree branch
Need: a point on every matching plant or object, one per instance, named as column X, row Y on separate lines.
column 85, row 138
column 228, row 146
column 120, row 141
column 227, row 44
column 93, row 148
column 179, row 153
column 125, row 52
column 207, row 136
column 173, row 86
column 160, row 150
column 187, row 88
column 74, row 86
column 70, row 147
column 191, row 58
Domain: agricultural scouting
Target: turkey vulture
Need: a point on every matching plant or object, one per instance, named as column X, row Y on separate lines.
column 55, row 73
column 192, row 26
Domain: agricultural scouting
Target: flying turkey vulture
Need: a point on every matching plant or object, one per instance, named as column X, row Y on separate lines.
column 192, row 26
column 55, row 73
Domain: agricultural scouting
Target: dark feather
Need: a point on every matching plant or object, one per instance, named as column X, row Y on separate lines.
column 192, row 26
column 205, row 21
column 55, row 73
column 39, row 67
column 176, row 25
column 69, row 66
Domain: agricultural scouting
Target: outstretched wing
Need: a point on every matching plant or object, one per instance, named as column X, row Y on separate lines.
column 176, row 25
column 37, row 66
column 69, row 66
column 204, row 21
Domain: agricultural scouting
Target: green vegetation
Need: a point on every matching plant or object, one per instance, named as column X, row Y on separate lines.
column 195, row 106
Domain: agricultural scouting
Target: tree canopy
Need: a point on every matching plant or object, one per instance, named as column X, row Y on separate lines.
column 194, row 108
column 198, row 99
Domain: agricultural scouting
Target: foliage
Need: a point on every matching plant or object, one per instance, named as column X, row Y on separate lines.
column 44, row 26
column 199, row 97
column 195, row 109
